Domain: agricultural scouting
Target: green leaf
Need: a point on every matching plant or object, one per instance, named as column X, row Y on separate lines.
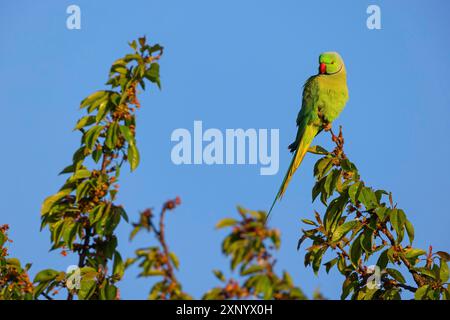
column 13, row 262
column 79, row 155
column 134, row 232
column 348, row 286
column 347, row 165
column 427, row 272
column 2, row 239
column 410, row 231
column 84, row 122
column 328, row 265
column 133, row 56
column 51, row 200
column 88, row 273
column 322, row 167
column 370, row 293
column 155, row 48
column 152, row 74
column 354, row 190
column 318, row 260
column 111, row 246
column 139, row 71
column 133, row 156
column 45, row 275
column 142, row 41
column 97, row 154
column 110, row 292
column 380, row 193
column 334, row 212
column 396, row 275
column 93, row 97
column 226, row 223
column 342, row 265
column 96, row 213
column 69, row 169
column 392, row 294
column 80, row 174
column 102, row 109
column 126, row 132
column 133, row 45
column 174, row 259
column 343, row 229
column 152, row 273
column 443, row 271
column 381, row 212
column 121, row 211
column 356, row 251
column 263, row 285
column 310, row 222
column 69, row 232
column 96, row 104
column 110, row 222
column 414, row 253
column 38, row 289
column 330, row 181
column 366, row 240
column 252, row 269
column 287, row 278
column 421, row 292
column 317, row 189
column 118, row 266
column 444, row 255
column 112, row 136
column 120, row 69
column 368, row 198
column 119, row 62
column 56, row 230
column 91, row 136
column 446, row 293
column 318, row 150
column 398, row 220
column 383, row 259
column 87, row 289
column 219, row 275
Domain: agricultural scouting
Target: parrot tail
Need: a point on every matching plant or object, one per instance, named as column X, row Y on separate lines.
column 305, row 141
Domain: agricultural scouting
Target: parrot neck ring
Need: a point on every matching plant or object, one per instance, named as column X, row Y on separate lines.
column 322, row 69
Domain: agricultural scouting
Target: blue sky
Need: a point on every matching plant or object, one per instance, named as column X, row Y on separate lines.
column 231, row 64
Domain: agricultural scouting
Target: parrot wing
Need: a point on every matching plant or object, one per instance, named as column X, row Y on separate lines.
column 308, row 127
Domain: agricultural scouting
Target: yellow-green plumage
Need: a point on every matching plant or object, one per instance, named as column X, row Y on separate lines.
column 324, row 97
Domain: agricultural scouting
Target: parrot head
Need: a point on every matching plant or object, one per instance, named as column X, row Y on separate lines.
column 330, row 63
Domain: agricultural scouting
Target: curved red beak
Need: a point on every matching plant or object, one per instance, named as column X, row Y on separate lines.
column 322, row 68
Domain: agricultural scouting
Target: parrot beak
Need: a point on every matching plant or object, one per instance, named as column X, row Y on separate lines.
column 322, row 68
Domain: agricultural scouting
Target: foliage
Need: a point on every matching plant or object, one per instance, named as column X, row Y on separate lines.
column 158, row 261
column 82, row 215
column 250, row 245
column 361, row 223
column 14, row 281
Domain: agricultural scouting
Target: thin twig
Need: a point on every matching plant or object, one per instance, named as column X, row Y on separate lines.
column 46, row 296
column 162, row 240
column 420, row 281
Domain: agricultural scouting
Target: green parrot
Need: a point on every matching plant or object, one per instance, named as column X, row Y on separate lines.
column 324, row 97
